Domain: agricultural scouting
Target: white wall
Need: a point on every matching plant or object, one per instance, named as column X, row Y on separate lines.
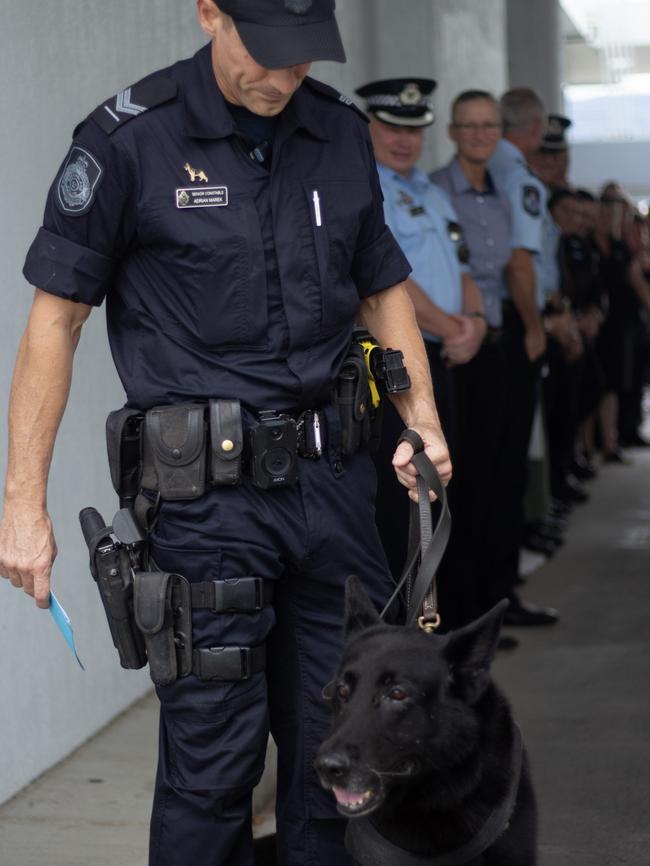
column 57, row 62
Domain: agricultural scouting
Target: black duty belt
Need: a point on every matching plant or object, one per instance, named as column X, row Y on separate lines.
column 228, row 663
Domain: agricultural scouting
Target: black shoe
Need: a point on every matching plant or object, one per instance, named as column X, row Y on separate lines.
column 507, row 642
column 546, row 529
column 522, row 612
column 560, row 508
column 539, row 544
column 571, row 492
column 583, row 469
column 616, row 456
column 635, row 441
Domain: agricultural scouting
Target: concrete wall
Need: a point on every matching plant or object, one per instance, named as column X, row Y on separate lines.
column 534, row 55
column 57, row 62
column 459, row 43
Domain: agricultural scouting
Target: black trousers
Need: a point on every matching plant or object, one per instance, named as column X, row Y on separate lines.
column 561, row 394
column 480, row 395
column 506, row 520
column 213, row 734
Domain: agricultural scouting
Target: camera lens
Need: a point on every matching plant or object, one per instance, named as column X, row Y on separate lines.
column 277, row 461
column 276, row 433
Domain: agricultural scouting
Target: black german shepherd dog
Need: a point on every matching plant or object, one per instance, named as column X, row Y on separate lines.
column 423, row 755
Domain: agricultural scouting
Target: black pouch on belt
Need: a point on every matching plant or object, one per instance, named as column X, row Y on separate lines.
column 124, row 447
column 352, row 396
column 175, row 451
column 226, row 442
column 162, row 604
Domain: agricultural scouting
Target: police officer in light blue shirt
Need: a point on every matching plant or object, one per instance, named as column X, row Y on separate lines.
column 524, row 122
column 447, row 302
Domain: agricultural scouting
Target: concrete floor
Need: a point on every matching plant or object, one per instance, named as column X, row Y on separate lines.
column 580, row 690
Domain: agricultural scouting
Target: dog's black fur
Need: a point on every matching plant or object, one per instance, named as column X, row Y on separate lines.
column 418, row 722
column 422, row 739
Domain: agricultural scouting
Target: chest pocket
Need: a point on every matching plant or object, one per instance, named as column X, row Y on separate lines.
column 337, row 210
column 210, row 272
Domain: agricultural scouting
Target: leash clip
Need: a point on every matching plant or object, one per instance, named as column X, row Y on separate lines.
column 429, row 627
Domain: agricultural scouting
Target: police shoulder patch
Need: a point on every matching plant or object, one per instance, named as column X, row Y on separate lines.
column 80, row 177
column 335, row 95
column 133, row 101
column 531, row 200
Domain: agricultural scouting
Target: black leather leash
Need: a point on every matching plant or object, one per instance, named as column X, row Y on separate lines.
column 368, row 847
column 426, row 545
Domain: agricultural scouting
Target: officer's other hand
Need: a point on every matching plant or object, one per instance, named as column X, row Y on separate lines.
column 535, row 342
column 27, row 550
column 436, row 450
column 463, row 346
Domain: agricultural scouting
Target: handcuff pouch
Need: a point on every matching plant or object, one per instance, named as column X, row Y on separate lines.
column 175, row 452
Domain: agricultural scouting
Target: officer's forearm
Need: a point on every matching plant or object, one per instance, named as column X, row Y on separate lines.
column 39, row 393
column 429, row 316
column 520, row 276
column 472, row 298
column 390, row 318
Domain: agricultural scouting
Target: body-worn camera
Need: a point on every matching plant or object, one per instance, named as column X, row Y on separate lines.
column 274, row 451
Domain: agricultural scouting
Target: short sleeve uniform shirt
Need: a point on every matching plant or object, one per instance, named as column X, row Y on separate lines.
column 486, row 219
column 527, row 196
column 426, row 227
column 223, row 277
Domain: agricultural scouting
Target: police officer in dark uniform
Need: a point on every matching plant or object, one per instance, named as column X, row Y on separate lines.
column 228, row 209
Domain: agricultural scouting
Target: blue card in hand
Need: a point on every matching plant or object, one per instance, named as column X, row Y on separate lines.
column 62, row 621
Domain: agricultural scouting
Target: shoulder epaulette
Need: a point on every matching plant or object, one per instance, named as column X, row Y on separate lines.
column 133, row 101
column 335, row 95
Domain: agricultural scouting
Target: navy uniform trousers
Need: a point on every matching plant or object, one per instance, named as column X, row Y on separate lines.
column 213, row 735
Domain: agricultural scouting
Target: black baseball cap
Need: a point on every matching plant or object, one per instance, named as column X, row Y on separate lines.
column 283, row 33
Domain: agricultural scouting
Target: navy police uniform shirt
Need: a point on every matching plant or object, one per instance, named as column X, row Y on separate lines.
column 223, row 276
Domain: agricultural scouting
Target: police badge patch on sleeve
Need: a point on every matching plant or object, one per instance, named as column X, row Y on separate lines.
column 532, row 200
column 78, row 182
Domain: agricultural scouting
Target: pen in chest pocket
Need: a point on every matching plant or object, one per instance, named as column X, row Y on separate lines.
column 317, row 214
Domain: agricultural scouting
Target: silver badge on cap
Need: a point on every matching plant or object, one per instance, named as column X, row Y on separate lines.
column 410, row 95
column 555, row 126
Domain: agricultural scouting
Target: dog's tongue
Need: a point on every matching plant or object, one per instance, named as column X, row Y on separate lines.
column 347, row 798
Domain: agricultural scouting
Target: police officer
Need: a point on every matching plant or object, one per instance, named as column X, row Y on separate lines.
column 447, row 301
column 484, row 211
column 524, row 121
column 551, row 162
column 228, row 210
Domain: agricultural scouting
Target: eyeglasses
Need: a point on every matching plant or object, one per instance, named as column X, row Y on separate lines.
column 477, row 127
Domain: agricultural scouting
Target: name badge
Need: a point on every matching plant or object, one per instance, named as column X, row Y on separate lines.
column 211, row 196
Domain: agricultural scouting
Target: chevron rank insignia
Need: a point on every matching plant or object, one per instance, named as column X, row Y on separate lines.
column 133, row 101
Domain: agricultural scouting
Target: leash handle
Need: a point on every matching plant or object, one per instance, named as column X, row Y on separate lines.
column 426, row 545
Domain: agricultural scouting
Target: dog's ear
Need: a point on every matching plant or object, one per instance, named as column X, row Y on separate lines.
column 360, row 612
column 470, row 651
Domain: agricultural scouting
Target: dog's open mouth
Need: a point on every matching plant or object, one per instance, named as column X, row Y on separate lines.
column 357, row 802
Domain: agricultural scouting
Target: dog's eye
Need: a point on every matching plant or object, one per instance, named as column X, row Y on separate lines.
column 397, row 694
column 343, row 690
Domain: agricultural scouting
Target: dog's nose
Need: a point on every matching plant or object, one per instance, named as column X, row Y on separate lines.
column 333, row 766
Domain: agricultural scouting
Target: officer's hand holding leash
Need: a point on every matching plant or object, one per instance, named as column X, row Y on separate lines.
column 436, row 450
